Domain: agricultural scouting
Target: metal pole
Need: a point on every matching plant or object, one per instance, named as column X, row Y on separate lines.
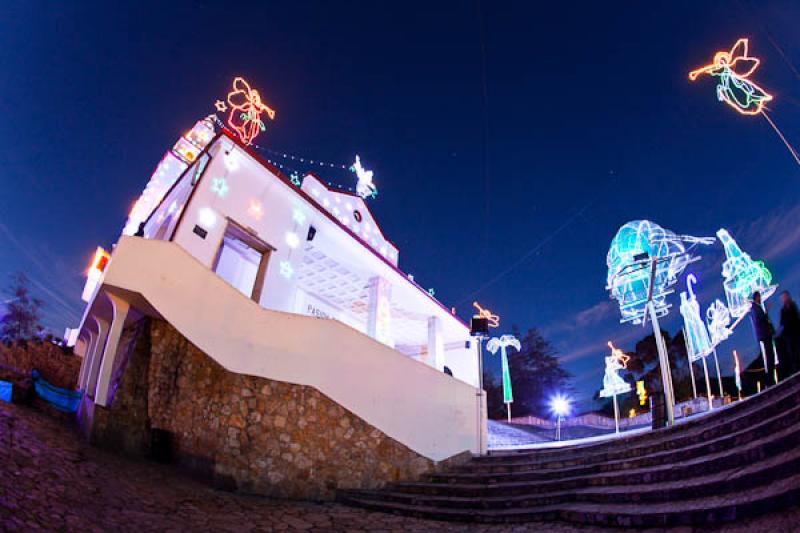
column 616, row 415
column 663, row 360
column 558, row 427
column 508, row 406
column 719, row 376
column 708, row 385
column 480, row 394
column 691, row 366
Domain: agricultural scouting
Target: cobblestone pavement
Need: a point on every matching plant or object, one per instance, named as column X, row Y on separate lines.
column 51, row 480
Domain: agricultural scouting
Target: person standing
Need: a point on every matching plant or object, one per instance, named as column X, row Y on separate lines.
column 789, row 334
column 764, row 332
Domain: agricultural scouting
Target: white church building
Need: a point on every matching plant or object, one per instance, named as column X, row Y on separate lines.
column 287, row 278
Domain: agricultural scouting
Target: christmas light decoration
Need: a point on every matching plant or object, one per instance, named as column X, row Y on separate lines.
column 718, row 318
column 219, row 187
column 292, row 240
column 613, row 383
column 298, row 216
column 640, row 251
column 255, row 209
column 698, row 344
column 206, row 217
column 641, row 392
column 286, row 269
column 295, row 178
column 733, row 69
column 743, row 277
column 737, row 372
column 501, row 344
column 246, row 109
column 494, row 320
column 364, row 187
column 221, row 106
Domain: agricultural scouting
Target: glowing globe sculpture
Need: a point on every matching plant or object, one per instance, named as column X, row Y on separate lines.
column 743, row 277
column 630, row 267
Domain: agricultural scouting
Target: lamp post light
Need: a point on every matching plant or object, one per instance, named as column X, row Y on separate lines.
column 559, row 405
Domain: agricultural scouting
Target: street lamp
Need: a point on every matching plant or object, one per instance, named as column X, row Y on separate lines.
column 559, row 405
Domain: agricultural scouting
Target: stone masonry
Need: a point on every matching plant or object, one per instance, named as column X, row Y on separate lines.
column 244, row 432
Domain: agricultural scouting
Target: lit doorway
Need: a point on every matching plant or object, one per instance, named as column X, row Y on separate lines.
column 242, row 260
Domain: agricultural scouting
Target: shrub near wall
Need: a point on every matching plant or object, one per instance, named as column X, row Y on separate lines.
column 57, row 365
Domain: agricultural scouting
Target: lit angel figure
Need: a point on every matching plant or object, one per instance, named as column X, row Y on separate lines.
column 734, row 88
column 501, row 344
column 613, row 383
column 718, row 318
column 698, row 343
column 364, row 186
column 246, row 108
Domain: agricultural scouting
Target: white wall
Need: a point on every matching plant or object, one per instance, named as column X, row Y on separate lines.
column 422, row 408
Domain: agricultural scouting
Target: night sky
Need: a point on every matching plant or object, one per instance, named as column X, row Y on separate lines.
column 590, row 121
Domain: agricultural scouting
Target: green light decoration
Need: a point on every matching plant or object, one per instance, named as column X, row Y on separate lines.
column 743, row 277
column 501, row 344
column 295, row 177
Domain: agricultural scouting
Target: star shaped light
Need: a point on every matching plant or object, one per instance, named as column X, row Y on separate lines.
column 219, row 187
column 286, row 269
column 221, row 106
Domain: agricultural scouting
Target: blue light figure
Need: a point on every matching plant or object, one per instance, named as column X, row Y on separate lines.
column 698, row 342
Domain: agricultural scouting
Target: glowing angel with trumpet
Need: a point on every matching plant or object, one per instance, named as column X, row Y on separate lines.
column 613, row 384
column 493, row 320
column 733, row 69
column 246, row 109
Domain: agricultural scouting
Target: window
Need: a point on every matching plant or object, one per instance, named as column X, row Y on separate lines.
column 242, row 260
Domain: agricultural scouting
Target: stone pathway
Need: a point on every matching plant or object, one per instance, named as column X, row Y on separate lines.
column 50, row 480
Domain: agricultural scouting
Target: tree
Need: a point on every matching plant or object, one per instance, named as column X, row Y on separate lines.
column 23, row 311
column 536, row 375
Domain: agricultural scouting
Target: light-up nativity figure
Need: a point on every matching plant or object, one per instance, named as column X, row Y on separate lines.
column 613, row 384
column 364, row 187
column 698, row 343
column 502, row 343
column 734, row 88
column 743, row 277
column 644, row 262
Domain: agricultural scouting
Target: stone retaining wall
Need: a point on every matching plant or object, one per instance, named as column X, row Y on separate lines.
column 244, row 432
column 57, row 365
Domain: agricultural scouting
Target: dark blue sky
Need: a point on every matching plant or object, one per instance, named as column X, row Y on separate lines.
column 591, row 121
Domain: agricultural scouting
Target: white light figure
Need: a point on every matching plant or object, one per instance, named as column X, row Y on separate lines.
column 718, row 318
column 644, row 262
column 613, row 384
column 698, row 343
column 743, row 277
column 502, row 343
column 364, row 186
column 697, row 340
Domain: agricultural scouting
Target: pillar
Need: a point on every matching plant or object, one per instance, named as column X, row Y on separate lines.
column 121, row 308
column 88, row 346
column 97, row 355
column 379, row 311
column 435, row 343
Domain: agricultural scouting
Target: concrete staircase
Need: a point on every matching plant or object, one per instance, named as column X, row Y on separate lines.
column 737, row 462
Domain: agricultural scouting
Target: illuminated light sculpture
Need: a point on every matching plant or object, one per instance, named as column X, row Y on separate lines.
column 718, row 318
column 494, row 320
column 246, row 109
column 613, row 384
column 501, row 344
column 295, row 179
column 641, row 392
column 644, row 262
column 698, row 342
column 194, row 141
column 733, row 69
column 743, row 277
column 364, row 187
column 220, row 106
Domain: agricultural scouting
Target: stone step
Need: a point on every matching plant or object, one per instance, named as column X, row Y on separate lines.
column 700, row 511
column 730, row 480
column 648, row 456
column 736, row 415
column 532, row 482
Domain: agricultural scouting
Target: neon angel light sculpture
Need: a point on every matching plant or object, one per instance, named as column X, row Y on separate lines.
column 613, row 384
column 734, row 88
column 718, row 318
column 364, row 187
column 642, row 249
column 246, row 109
